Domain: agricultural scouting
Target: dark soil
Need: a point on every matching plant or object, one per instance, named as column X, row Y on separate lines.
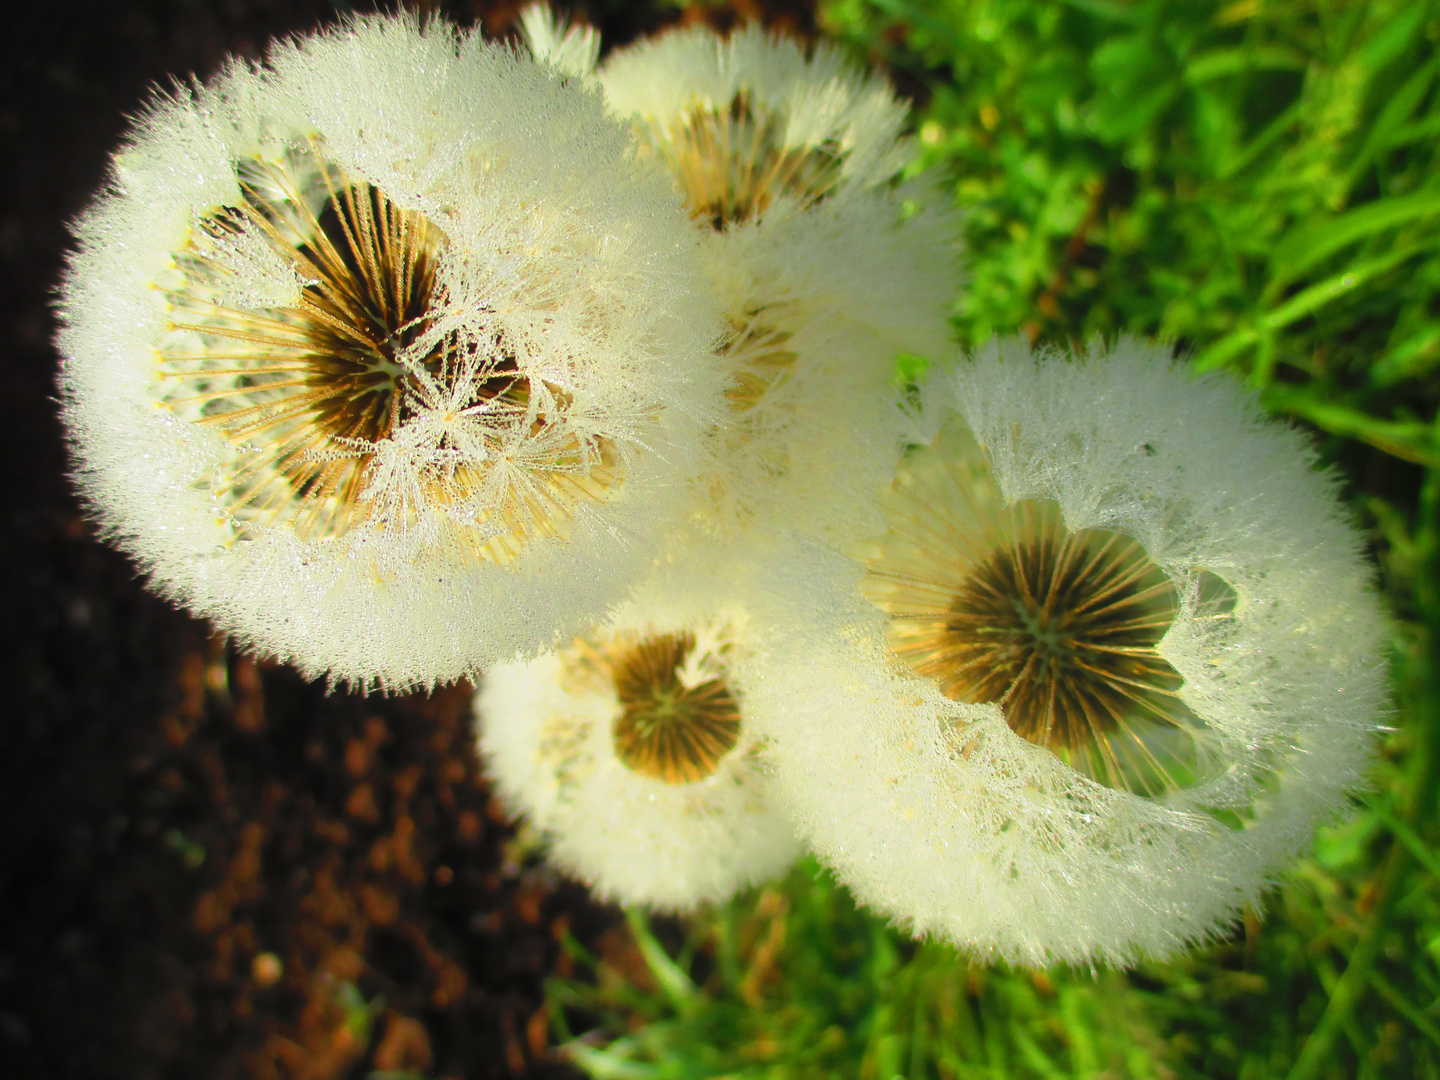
column 209, row 867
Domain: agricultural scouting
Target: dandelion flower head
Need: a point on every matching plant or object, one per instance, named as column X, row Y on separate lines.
column 386, row 356
column 1110, row 659
column 789, row 160
column 745, row 120
column 630, row 749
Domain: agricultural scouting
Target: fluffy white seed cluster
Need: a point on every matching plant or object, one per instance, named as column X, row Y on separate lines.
column 750, row 117
column 825, row 265
column 632, row 751
column 386, row 356
column 1113, row 657
column 405, row 357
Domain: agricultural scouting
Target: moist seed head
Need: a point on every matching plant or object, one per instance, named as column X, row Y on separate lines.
column 732, row 162
column 625, row 749
column 1005, row 604
column 310, row 389
column 789, row 161
column 386, row 356
column 945, row 814
column 673, row 726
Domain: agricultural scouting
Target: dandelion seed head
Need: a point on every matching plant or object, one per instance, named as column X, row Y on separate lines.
column 788, row 160
column 744, row 121
column 1003, row 603
column 629, row 749
column 1109, row 659
column 389, row 333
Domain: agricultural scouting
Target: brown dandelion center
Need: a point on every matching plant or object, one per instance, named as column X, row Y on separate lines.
column 308, row 386
column 667, row 730
column 373, row 297
column 731, row 164
column 998, row 604
column 1060, row 628
column 310, row 382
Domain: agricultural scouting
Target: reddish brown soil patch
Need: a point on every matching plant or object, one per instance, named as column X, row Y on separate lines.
column 230, row 873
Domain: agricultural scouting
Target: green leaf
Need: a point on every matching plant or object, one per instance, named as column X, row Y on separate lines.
column 1396, row 36
column 1266, row 139
column 1219, row 63
column 1303, row 247
column 1409, row 441
column 1418, row 1020
column 1407, row 836
column 667, row 973
column 1392, row 119
column 610, row 1063
column 1318, row 295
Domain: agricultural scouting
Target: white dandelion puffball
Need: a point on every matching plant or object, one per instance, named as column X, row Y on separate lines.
column 789, row 160
column 387, row 356
column 631, row 751
column 1110, row 658
column 744, row 120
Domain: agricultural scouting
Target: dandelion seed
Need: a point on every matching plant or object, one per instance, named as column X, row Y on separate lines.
column 629, row 749
column 385, row 356
column 1109, row 658
column 572, row 49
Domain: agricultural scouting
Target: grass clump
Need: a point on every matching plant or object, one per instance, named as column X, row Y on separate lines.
column 1254, row 180
column 794, row 981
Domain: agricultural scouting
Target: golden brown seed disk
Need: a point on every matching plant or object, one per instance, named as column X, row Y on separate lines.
column 732, row 164
column 1005, row 604
column 307, row 388
column 666, row 730
column 293, row 383
column 1061, row 628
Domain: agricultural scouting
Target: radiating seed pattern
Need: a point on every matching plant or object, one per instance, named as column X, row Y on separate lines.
column 759, row 361
column 1004, row 604
column 731, row 164
column 310, row 390
column 760, row 364
column 667, row 730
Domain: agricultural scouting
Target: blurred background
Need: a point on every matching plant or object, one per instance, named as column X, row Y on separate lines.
column 209, row 867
